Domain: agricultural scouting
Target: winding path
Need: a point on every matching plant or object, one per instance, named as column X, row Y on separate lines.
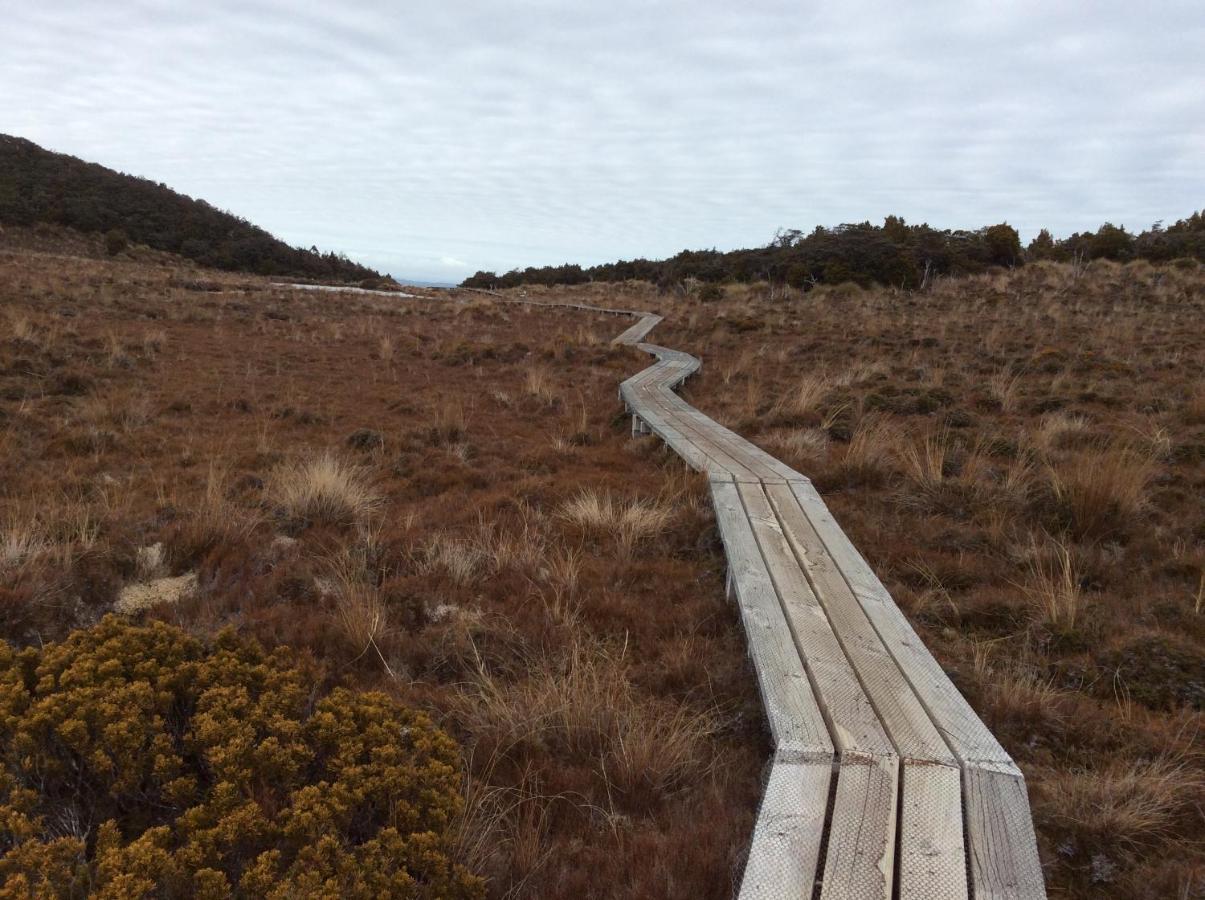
column 884, row 784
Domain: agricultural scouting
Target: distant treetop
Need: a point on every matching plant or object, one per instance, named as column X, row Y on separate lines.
column 894, row 253
column 38, row 186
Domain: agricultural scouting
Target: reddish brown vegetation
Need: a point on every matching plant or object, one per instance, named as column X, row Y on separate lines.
column 395, row 488
column 1020, row 457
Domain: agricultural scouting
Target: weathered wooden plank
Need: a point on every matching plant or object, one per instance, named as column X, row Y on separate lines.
column 932, row 848
column 1003, row 856
column 901, row 712
column 636, row 333
column 862, row 835
column 964, row 732
column 666, row 406
column 795, row 718
column 931, row 845
column 861, row 842
column 852, row 720
column 998, row 831
column 785, row 850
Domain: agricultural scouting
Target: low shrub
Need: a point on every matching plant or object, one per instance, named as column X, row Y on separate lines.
column 138, row 761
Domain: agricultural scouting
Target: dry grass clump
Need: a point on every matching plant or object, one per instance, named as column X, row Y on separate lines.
column 461, row 559
column 585, row 704
column 868, row 456
column 926, row 460
column 539, row 386
column 1102, row 491
column 323, row 489
column 489, row 548
column 208, row 521
column 449, row 420
column 1124, row 807
column 1054, row 429
column 21, row 542
column 360, row 611
column 1053, row 586
column 805, row 398
column 805, row 443
column 603, row 515
column 1004, row 388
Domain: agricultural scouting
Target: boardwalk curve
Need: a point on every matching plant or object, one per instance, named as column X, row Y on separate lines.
column 883, row 784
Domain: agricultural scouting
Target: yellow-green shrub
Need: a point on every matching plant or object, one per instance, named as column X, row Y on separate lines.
column 137, row 761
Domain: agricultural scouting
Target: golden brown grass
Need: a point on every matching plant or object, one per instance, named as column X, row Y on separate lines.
column 1104, row 491
column 324, row 489
column 604, row 516
column 1053, row 586
column 396, row 520
column 1097, row 361
column 1019, row 456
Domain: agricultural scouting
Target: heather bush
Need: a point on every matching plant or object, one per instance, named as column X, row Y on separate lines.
column 138, row 761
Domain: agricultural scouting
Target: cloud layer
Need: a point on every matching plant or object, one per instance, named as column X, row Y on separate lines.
column 432, row 140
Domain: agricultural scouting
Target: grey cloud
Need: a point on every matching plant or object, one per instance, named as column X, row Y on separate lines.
column 536, row 132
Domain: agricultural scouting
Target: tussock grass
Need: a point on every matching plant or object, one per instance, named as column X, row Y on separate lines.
column 1004, row 388
column 449, row 420
column 489, row 549
column 807, row 394
column 926, row 459
column 323, row 489
column 801, row 442
column 1054, row 428
column 1102, row 491
column 461, row 559
column 602, row 515
column 585, row 704
column 209, row 521
column 359, row 609
column 869, row 454
column 1053, row 585
column 539, row 386
column 21, row 543
column 1127, row 807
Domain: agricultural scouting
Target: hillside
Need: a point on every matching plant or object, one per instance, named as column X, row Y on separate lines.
column 41, row 187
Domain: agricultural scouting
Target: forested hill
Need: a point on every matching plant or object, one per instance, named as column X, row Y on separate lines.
column 38, row 186
column 894, row 253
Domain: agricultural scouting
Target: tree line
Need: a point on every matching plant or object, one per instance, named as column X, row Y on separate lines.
column 894, row 253
column 39, row 186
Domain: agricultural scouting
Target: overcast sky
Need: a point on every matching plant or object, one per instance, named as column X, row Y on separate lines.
column 434, row 139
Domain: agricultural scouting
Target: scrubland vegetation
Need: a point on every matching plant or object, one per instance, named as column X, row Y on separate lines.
column 139, row 762
column 439, row 503
column 1021, row 457
column 435, row 500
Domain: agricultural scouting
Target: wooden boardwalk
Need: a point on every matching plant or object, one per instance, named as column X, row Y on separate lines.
column 884, row 783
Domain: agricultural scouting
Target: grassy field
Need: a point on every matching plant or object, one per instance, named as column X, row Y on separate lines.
column 1021, row 458
column 440, row 498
